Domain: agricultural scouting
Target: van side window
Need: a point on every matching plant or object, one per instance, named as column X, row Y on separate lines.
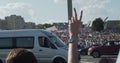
column 43, row 42
column 6, row 43
column 25, row 42
column 16, row 42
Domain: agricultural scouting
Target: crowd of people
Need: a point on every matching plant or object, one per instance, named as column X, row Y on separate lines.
column 88, row 37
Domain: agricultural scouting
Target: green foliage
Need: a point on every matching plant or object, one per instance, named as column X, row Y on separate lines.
column 98, row 25
column 118, row 25
column 47, row 25
column 44, row 26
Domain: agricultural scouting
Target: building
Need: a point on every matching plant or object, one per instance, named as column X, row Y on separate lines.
column 15, row 22
column 112, row 25
column 3, row 24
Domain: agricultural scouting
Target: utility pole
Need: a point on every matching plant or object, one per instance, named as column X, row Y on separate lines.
column 69, row 4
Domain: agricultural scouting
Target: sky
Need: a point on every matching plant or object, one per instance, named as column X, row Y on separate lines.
column 50, row 11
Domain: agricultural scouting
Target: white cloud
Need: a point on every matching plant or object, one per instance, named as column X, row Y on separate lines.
column 12, row 8
column 57, row 1
column 22, row 9
column 16, row 5
column 31, row 12
column 18, row 8
column 91, row 7
column 3, row 13
column 95, row 9
column 76, row 1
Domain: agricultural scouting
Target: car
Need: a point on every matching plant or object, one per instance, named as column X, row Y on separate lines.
column 84, row 51
column 108, row 48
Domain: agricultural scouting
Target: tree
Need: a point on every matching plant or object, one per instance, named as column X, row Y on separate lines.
column 40, row 26
column 98, row 25
column 44, row 26
column 118, row 26
column 47, row 25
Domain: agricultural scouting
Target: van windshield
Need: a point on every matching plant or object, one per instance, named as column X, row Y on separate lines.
column 57, row 41
column 54, row 38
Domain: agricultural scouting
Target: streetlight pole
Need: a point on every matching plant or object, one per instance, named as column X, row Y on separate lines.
column 69, row 4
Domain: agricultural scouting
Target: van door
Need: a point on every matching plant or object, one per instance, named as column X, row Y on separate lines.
column 47, row 50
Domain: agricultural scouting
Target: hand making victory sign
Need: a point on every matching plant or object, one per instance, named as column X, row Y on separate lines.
column 74, row 23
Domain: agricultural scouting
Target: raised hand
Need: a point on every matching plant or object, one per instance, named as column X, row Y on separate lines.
column 74, row 24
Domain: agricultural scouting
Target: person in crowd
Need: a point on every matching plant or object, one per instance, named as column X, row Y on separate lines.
column 74, row 30
column 20, row 55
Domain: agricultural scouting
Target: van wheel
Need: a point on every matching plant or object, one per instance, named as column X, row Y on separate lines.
column 96, row 54
column 59, row 60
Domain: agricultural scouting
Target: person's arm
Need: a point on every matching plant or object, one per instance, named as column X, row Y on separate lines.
column 74, row 30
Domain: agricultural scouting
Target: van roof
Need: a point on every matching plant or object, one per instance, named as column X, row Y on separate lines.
column 23, row 32
column 20, row 30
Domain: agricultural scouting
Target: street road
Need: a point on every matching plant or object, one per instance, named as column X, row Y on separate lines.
column 90, row 59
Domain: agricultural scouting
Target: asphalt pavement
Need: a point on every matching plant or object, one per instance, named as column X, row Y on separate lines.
column 90, row 59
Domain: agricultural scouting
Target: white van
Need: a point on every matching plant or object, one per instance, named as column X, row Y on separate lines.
column 52, row 50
